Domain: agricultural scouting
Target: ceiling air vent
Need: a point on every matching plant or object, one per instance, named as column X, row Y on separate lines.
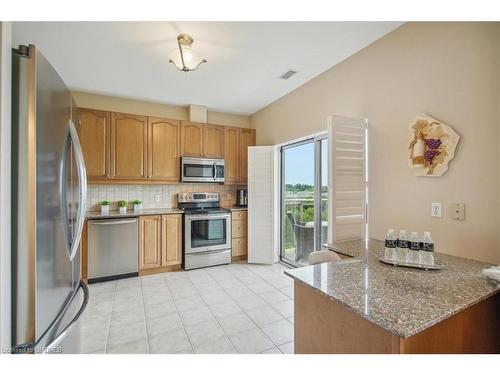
column 288, row 74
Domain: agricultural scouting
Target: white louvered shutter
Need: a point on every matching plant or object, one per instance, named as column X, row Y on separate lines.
column 261, row 193
column 347, row 182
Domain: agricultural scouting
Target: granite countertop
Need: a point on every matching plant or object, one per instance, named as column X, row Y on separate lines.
column 132, row 213
column 401, row 300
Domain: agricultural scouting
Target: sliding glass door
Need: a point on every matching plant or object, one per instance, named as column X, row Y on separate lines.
column 304, row 202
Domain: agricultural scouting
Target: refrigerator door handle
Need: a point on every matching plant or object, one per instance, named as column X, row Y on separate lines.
column 55, row 342
column 82, row 179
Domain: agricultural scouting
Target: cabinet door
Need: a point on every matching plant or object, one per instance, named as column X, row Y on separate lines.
column 191, row 139
column 150, row 242
column 231, row 154
column 247, row 138
column 214, row 141
column 128, row 146
column 171, row 240
column 164, row 139
column 94, row 132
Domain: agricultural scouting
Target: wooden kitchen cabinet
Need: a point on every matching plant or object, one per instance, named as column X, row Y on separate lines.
column 171, row 240
column 232, row 155
column 150, row 236
column 94, row 132
column 213, row 141
column 128, row 146
column 192, row 139
column 164, row 140
column 239, row 239
column 247, row 138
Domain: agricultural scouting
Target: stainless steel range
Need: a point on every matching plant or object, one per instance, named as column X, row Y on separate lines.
column 207, row 230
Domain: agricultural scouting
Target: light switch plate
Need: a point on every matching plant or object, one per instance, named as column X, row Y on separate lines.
column 458, row 211
column 436, row 209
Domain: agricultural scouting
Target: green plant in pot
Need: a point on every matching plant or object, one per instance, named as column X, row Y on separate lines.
column 137, row 204
column 105, row 207
column 122, row 206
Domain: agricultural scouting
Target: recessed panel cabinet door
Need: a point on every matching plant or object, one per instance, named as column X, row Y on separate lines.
column 171, row 240
column 164, row 149
column 214, row 141
column 128, row 146
column 192, row 139
column 247, row 138
column 150, row 242
column 231, row 154
column 94, row 133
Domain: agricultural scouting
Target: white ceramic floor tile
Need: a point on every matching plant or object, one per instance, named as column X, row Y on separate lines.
column 204, row 332
column 163, row 324
column 287, row 348
column 236, row 323
column 252, row 341
column 279, row 332
column 189, row 303
column 170, row 342
column 195, row 316
column 273, row 350
column 160, row 309
column 134, row 347
column 219, row 346
column 121, row 334
column 250, row 302
column 273, row 296
column 223, row 309
column 264, row 315
column 285, row 308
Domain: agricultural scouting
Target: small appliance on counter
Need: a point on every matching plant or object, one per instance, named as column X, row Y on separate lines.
column 207, row 230
column 242, row 198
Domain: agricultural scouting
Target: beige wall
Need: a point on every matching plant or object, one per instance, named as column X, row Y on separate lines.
column 118, row 104
column 448, row 70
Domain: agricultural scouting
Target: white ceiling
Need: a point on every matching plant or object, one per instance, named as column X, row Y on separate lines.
column 245, row 59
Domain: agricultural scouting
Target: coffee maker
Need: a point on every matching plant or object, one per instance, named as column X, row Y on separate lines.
column 241, row 197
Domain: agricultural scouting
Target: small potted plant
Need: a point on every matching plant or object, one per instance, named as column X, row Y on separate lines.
column 105, row 207
column 122, row 206
column 137, row 205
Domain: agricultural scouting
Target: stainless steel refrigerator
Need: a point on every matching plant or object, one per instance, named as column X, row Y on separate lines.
column 48, row 208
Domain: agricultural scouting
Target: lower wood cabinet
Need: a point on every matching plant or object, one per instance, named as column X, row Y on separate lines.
column 239, row 240
column 160, row 241
column 150, row 242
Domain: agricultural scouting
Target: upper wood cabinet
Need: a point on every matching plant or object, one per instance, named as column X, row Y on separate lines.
column 150, row 241
column 213, row 141
column 164, row 140
column 94, row 133
column 128, row 146
column 247, row 138
column 232, row 154
column 171, row 240
column 192, row 139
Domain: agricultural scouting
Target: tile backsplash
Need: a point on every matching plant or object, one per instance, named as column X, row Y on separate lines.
column 148, row 194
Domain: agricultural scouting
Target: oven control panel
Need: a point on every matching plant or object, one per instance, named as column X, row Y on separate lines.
column 197, row 197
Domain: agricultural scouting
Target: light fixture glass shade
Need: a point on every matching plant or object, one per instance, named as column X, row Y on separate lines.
column 184, row 57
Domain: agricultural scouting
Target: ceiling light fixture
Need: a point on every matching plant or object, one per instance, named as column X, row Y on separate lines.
column 185, row 58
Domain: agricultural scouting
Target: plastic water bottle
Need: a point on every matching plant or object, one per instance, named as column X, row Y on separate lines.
column 390, row 245
column 403, row 246
column 414, row 250
column 427, row 250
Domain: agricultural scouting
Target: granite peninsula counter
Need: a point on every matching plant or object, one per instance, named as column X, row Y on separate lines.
column 360, row 305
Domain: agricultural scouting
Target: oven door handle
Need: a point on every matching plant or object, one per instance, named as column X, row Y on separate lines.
column 208, row 217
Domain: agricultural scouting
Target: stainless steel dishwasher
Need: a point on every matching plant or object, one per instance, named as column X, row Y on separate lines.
column 113, row 249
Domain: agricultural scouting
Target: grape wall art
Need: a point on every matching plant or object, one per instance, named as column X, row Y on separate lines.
column 432, row 146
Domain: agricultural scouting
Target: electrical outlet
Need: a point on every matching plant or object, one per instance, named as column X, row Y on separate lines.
column 157, row 198
column 436, row 209
column 458, row 211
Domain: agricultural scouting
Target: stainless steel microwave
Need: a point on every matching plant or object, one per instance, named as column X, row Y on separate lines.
column 202, row 170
